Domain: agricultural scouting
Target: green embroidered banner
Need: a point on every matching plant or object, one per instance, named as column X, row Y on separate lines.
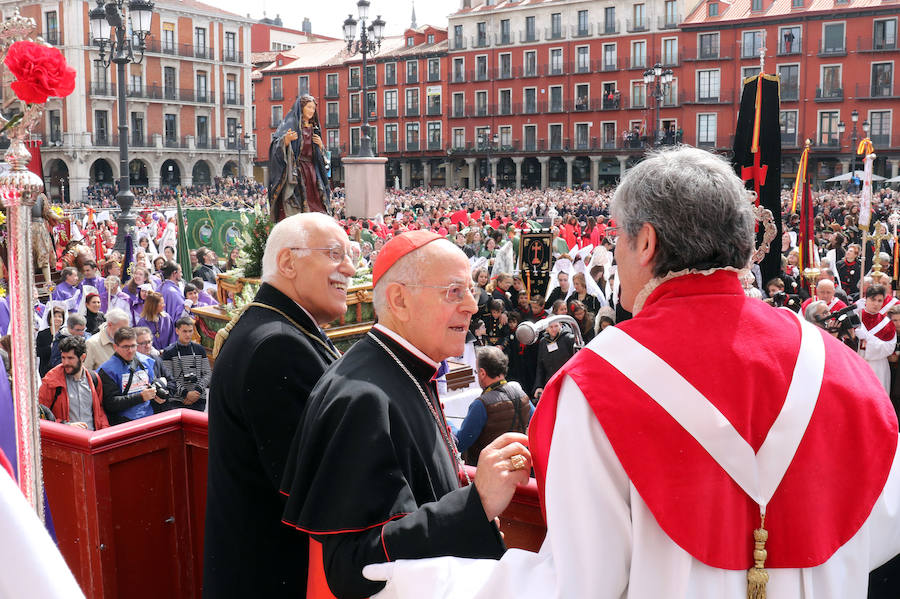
column 216, row 228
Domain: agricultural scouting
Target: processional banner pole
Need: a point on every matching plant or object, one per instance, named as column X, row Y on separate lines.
column 19, row 189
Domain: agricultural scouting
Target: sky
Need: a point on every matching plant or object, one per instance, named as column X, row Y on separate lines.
column 328, row 18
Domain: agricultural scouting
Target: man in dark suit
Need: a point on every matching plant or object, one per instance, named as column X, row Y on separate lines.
column 273, row 356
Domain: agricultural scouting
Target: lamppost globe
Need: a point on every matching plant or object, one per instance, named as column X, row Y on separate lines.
column 349, row 29
column 363, row 8
column 841, row 128
column 854, row 116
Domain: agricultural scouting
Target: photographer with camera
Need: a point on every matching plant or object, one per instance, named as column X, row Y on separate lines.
column 841, row 324
column 876, row 333
column 188, row 366
column 129, row 383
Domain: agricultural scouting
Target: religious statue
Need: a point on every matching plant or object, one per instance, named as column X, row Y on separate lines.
column 42, row 220
column 298, row 174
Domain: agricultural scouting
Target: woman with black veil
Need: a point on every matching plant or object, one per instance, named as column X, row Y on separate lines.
column 298, row 180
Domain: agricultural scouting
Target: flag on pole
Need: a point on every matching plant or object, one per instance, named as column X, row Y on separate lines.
column 757, row 156
column 183, row 252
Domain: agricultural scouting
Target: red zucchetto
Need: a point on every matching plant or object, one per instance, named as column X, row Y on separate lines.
column 398, row 247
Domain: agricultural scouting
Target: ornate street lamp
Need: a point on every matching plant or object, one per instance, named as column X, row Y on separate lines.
column 110, row 27
column 369, row 42
column 658, row 83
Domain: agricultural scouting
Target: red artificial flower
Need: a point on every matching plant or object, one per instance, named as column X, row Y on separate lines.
column 40, row 71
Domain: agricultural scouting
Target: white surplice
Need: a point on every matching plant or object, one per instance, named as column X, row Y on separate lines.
column 604, row 543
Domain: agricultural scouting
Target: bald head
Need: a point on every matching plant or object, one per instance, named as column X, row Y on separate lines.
column 299, row 262
column 825, row 290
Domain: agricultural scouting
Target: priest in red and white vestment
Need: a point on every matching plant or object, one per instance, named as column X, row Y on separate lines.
column 877, row 335
column 825, row 291
column 659, row 447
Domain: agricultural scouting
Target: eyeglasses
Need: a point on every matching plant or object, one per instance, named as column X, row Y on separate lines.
column 144, row 343
column 336, row 253
column 129, row 346
column 455, row 292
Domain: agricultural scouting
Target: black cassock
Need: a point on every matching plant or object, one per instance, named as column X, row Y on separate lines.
column 260, row 384
column 370, row 476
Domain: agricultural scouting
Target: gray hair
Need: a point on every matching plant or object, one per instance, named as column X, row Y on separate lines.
column 75, row 320
column 493, row 360
column 116, row 315
column 288, row 233
column 697, row 205
column 810, row 313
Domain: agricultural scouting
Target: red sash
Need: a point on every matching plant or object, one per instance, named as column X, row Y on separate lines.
column 740, row 354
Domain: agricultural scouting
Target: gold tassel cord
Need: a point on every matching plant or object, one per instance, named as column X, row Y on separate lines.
column 757, row 577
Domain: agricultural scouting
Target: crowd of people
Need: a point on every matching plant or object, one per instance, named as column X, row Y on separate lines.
column 322, row 466
column 226, row 192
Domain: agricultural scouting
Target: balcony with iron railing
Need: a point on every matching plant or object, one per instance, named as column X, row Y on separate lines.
column 749, row 51
column 503, row 39
column 412, row 146
column 638, row 62
column 390, row 113
column 789, row 139
column 827, row 139
column 553, row 70
column 585, row 30
column 505, row 72
column 412, row 78
column 233, row 99
column 632, row 26
column 581, row 67
column 529, row 36
column 613, row 27
column 202, row 143
column 434, row 145
column 668, row 21
column 554, row 33
column 433, row 110
column 691, row 54
column 831, row 49
column 332, row 93
column 102, row 89
column 829, row 94
column 411, row 111
column 232, row 55
column 53, row 37
column 790, row 48
column 276, row 95
column 614, row 103
column 706, row 97
column 332, row 120
column 522, row 71
column 107, row 140
column 482, row 110
column 432, row 76
column 790, row 93
column 876, row 91
column 876, row 44
column 480, row 41
column 608, row 64
column 881, row 140
column 457, row 43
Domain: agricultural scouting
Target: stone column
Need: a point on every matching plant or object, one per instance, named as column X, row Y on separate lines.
column 895, row 168
column 493, row 162
column 448, row 174
column 569, row 161
column 595, row 171
column 426, row 174
column 545, row 171
column 518, row 160
column 153, row 181
column 845, row 166
column 623, row 165
column 404, row 175
column 472, row 181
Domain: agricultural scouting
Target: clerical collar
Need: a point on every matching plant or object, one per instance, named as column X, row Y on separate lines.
column 405, row 345
column 308, row 315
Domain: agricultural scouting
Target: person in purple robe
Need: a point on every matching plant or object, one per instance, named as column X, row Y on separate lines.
column 155, row 318
column 137, row 303
column 69, row 290
column 114, row 296
column 171, row 291
column 91, row 276
column 203, row 297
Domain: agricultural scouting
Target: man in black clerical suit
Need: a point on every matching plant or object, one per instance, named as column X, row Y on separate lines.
column 373, row 474
column 272, row 358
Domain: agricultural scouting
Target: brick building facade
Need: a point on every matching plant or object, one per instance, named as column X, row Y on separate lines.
column 187, row 99
column 552, row 93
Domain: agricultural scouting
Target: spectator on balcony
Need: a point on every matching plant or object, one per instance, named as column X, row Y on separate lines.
column 73, row 392
column 298, row 180
column 127, row 380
